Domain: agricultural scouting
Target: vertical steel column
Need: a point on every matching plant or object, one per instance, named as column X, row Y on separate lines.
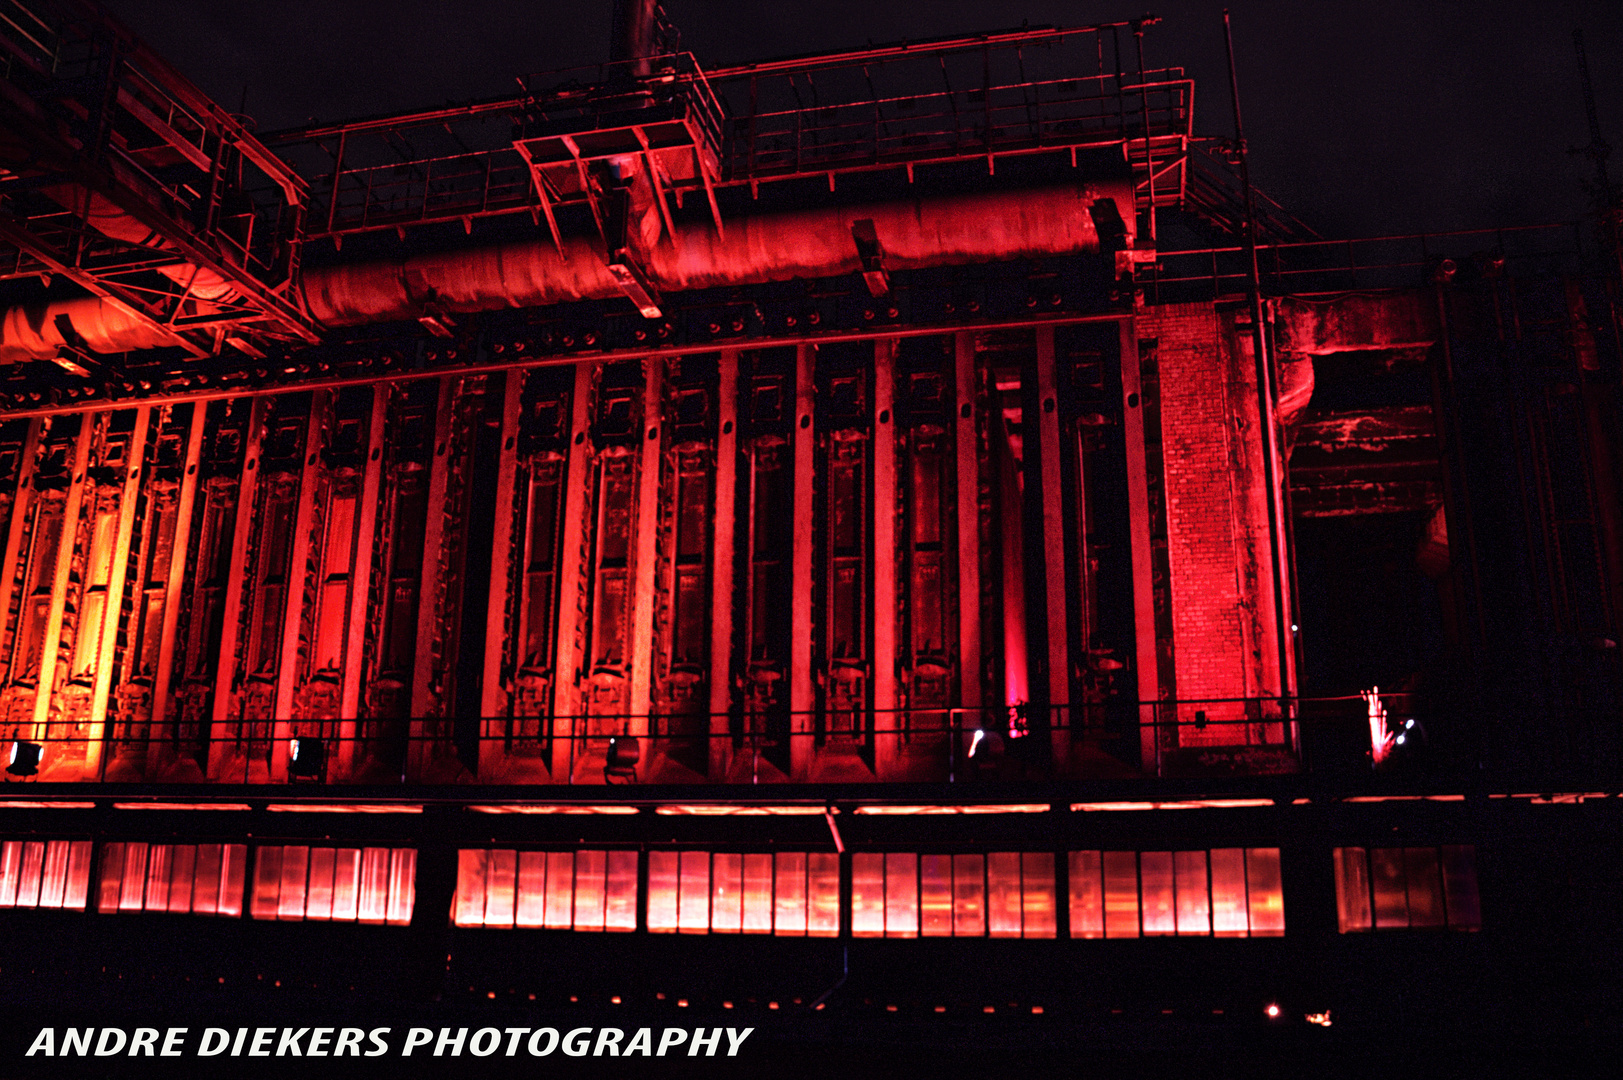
column 298, row 578
column 493, row 702
column 1051, row 491
column 566, row 692
column 360, row 599
column 51, row 644
column 887, row 720
column 423, row 698
column 113, row 609
column 1138, row 516
column 721, row 566
column 801, row 696
column 221, row 741
column 967, row 440
column 649, row 466
column 20, row 510
column 176, row 581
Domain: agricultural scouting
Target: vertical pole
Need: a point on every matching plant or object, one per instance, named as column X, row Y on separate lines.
column 967, row 444
column 51, row 645
column 650, row 465
column 577, row 504
column 723, row 553
column 221, row 737
column 1057, row 615
column 360, row 592
column 19, row 514
column 1144, row 103
column 1138, row 518
column 887, row 720
column 113, row 609
column 1265, row 390
column 801, row 699
column 493, row 703
column 298, row 577
column 425, row 703
column 176, row 580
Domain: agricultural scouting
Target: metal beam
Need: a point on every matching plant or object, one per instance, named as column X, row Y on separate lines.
column 722, row 553
column 493, row 698
column 802, row 699
column 887, row 719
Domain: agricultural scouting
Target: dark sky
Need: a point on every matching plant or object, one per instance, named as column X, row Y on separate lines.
column 1364, row 118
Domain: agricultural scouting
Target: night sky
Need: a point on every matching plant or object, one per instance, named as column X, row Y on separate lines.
column 1364, row 119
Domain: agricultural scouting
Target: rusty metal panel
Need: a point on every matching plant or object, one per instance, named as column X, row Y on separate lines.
column 843, row 661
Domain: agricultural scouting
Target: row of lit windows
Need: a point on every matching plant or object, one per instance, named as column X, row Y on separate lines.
column 1223, row 892
column 1397, row 888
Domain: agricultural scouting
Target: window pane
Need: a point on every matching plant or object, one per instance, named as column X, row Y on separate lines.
column 757, row 894
column 591, row 867
column 560, row 910
column 1003, row 893
column 1425, row 886
column 33, row 870
column 1121, row 894
column 968, row 896
column 1087, row 895
column 823, row 894
column 471, row 870
column 789, row 891
column 267, row 882
column 78, row 886
column 901, row 894
column 295, row 872
column 693, row 893
column 620, row 892
column 157, row 879
column 346, row 884
column 501, row 887
column 726, row 893
column 1352, row 889
column 233, row 868
column 1230, row 917
column 530, row 893
column 130, row 895
column 206, row 879
column 53, row 878
column 1155, row 884
column 1391, row 893
column 867, row 894
column 1194, row 900
column 935, row 895
column 372, row 902
column 318, row 898
column 11, row 866
column 1265, row 892
column 662, row 867
column 1460, row 888
column 112, row 874
column 183, row 861
column 402, row 886
column 1037, row 893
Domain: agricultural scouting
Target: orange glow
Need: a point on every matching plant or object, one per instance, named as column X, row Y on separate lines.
column 714, row 810
column 986, row 808
column 1322, row 1019
column 1190, row 804
column 551, row 808
column 20, row 804
column 345, row 808
column 180, row 806
column 1273, row 1010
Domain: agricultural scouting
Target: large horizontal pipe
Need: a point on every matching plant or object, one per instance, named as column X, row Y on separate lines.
column 813, row 243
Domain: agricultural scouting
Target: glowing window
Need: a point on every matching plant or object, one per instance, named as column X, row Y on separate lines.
column 195, row 879
column 1224, row 892
column 45, row 874
column 1007, row 893
column 296, row 883
column 789, row 893
column 558, row 890
column 1407, row 888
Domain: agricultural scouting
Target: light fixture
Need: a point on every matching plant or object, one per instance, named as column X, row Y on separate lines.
column 25, row 758
column 1272, row 1010
column 307, row 758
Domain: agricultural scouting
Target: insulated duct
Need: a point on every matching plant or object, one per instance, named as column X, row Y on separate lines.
column 916, row 233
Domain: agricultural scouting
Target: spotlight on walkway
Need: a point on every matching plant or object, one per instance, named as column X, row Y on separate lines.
column 624, row 753
column 307, row 758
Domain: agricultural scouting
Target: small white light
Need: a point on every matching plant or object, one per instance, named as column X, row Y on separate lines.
column 1295, row 628
column 1273, row 1010
column 1401, row 738
column 1407, row 724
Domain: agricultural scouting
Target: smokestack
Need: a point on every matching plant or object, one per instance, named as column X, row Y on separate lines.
column 635, row 32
